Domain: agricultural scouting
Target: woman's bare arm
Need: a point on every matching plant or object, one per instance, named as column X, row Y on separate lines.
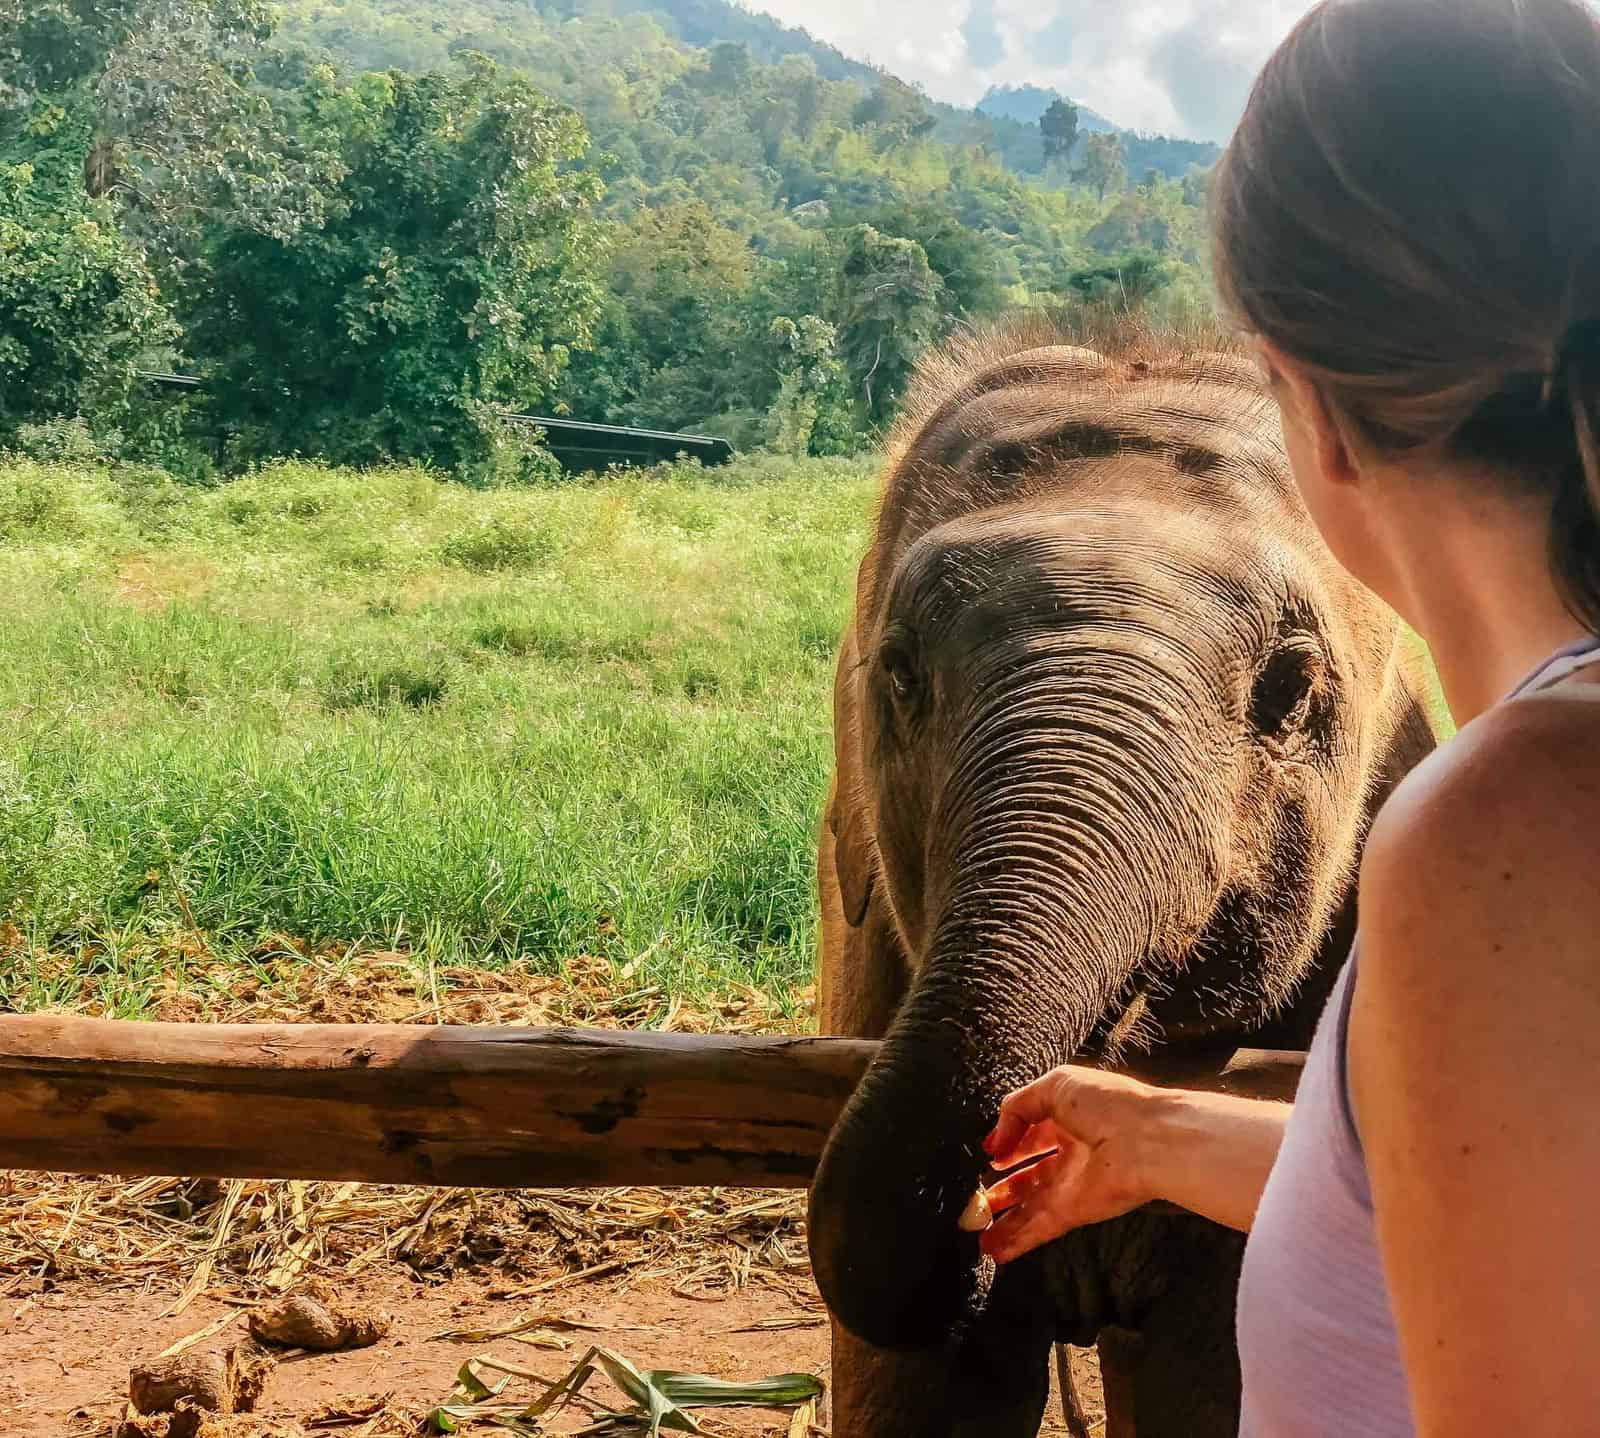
column 1475, row 1069
column 1115, row 1144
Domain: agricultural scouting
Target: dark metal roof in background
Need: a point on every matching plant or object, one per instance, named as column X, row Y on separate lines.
column 549, row 423
column 577, row 444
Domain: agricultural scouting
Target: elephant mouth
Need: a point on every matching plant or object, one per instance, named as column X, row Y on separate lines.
column 894, row 1247
column 894, row 1260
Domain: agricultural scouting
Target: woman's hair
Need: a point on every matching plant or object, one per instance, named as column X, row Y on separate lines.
column 1411, row 211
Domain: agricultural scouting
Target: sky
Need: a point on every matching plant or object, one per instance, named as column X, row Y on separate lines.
column 1179, row 67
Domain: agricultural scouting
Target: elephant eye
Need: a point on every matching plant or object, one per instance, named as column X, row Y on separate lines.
column 901, row 670
column 1287, row 687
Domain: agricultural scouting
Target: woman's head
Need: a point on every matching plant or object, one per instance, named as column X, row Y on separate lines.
column 1410, row 213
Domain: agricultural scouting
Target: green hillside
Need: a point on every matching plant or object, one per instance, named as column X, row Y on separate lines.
column 375, row 225
column 704, row 23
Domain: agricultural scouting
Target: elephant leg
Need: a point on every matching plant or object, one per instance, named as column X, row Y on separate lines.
column 876, row 1394
column 1072, row 1413
column 1000, row 1381
column 1184, row 1388
column 1121, row 1367
column 1186, row 1372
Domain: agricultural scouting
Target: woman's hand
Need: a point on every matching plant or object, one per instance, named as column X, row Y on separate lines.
column 1111, row 1144
column 1087, row 1129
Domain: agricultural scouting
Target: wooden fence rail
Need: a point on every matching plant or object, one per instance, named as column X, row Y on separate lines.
column 449, row 1106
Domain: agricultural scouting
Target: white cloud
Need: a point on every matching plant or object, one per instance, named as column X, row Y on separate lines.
column 1179, row 66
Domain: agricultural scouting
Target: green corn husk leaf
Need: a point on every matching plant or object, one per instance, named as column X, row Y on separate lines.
column 694, row 1390
column 664, row 1395
column 659, row 1411
column 472, row 1401
column 660, row 1397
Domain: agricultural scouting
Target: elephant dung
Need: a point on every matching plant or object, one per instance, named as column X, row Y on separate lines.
column 229, row 1382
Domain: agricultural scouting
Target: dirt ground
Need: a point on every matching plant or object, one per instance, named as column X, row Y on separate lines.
column 97, row 1275
column 67, row 1350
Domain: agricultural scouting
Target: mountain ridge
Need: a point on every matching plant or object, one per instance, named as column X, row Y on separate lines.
column 705, row 23
column 1027, row 103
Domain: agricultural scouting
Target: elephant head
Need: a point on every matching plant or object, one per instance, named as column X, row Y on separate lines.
column 1109, row 725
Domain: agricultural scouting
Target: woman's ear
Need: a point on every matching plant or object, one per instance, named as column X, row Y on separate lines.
column 1305, row 407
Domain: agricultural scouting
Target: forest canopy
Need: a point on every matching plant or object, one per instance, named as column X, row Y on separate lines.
column 373, row 228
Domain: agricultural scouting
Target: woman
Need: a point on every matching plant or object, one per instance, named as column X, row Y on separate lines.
column 1408, row 224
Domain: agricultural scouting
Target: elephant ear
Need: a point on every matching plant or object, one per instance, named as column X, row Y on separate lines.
column 854, row 857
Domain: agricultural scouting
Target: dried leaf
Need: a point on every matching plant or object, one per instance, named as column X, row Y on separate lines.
column 347, row 1412
column 511, row 1330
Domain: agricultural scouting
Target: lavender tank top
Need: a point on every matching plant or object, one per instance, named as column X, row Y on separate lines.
column 1317, row 1342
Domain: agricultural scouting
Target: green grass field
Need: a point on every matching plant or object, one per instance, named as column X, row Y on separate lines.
column 384, row 710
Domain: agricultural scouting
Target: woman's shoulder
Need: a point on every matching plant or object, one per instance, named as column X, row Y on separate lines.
column 1531, row 762
column 1497, row 834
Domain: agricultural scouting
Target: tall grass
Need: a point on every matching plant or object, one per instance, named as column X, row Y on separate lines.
column 382, row 709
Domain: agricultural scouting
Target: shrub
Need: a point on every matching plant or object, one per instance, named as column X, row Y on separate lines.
column 499, row 544
column 65, row 441
column 54, row 503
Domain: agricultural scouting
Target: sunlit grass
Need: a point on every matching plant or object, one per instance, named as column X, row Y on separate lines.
column 383, row 709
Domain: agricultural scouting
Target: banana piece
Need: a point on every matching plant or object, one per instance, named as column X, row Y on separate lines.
column 977, row 1215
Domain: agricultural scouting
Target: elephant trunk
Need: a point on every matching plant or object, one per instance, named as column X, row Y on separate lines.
column 1066, row 886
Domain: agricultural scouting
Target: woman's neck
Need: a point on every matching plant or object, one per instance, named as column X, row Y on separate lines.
column 1474, row 580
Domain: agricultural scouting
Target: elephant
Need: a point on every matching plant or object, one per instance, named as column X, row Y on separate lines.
column 1111, row 724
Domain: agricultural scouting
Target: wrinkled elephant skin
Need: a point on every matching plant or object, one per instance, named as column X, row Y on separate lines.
column 1110, row 726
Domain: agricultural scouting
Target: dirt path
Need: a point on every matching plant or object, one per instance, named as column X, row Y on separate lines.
column 66, row 1352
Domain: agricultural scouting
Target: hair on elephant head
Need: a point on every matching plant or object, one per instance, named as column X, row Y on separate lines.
column 1110, row 723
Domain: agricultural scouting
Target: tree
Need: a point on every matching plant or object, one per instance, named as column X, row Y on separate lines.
column 962, row 257
column 1125, row 286
column 889, row 313
column 1104, row 169
column 1135, row 222
column 185, row 138
column 451, row 280
column 78, row 308
column 181, row 134
column 48, row 47
column 668, row 347
column 898, row 112
column 1059, row 126
column 729, row 69
column 809, row 377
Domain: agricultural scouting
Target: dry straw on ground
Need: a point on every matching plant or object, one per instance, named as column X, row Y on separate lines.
column 243, row 1240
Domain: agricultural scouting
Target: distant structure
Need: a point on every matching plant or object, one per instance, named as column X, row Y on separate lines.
column 583, row 448
column 579, row 448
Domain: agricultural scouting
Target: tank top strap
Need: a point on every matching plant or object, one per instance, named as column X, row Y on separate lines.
column 1575, row 658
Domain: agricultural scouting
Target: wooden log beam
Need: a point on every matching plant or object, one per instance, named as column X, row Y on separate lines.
column 448, row 1106
column 452, row 1106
